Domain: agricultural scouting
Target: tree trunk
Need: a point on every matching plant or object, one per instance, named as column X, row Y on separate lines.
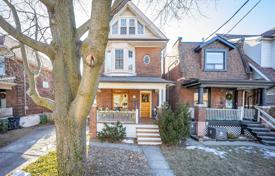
column 71, row 147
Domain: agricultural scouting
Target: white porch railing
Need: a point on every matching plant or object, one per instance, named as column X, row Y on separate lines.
column 114, row 116
column 223, row 114
column 6, row 112
column 265, row 117
column 249, row 113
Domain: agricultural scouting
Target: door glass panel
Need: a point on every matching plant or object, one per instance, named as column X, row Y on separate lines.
column 145, row 98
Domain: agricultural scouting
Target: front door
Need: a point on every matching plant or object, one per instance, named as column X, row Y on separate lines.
column 145, row 104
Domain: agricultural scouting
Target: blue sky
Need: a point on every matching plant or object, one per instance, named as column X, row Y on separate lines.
column 215, row 13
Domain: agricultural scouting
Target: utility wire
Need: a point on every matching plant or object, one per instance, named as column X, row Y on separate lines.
column 244, row 16
column 228, row 19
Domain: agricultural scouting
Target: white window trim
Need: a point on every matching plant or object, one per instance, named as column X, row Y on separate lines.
column 120, row 72
column 127, row 26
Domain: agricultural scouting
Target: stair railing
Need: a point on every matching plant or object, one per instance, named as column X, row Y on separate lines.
column 268, row 119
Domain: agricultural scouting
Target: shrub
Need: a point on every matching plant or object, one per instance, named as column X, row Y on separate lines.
column 43, row 118
column 112, row 133
column 231, row 136
column 174, row 126
column 44, row 166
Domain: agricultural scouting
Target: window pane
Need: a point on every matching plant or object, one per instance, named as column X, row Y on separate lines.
column 205, row 97
column 209, row 66
column 215, row 57
column 115, row 28
column 123, row 30
column 219, row 66
column 140, row 28
column 120, row 101
column 123, row 22
column 132, row 22
column 130, row 54
column 119, row 59
column 132, row 30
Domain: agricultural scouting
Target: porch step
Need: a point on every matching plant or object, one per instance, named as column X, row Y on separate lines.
column 263, row 134
column 271, row 143
column 148, row 135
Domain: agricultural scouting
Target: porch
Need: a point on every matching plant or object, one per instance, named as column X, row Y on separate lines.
column 230, row 105
column 131, row 100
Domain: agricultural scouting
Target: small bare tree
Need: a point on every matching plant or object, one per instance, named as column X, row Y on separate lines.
column 73, row 94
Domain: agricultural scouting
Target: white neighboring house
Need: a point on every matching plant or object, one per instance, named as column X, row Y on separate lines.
column 260, row 56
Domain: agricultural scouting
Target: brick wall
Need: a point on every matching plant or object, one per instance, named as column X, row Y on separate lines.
column 104, row 98
column 15, row 97
column 192, row 63
column 151, row 69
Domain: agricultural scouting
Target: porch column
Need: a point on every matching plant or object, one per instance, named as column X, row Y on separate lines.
column 200, row 95
column 263, row 97
column 160, row 97
column 164, row 95
column 200, row 120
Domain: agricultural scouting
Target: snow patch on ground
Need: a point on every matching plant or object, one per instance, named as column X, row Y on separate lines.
column 268, row 154
column 221, row 154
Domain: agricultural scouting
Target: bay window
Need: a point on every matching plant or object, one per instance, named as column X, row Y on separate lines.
column 119, row 59
column 215, row 60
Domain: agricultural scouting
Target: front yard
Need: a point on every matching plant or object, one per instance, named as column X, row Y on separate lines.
column 220, row 160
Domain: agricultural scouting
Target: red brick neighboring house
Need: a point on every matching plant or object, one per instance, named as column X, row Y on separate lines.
column 130, row 85
column 215, row 78
column 13, row 81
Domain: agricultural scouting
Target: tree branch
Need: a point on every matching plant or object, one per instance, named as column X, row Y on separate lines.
column 32, row 92
column 48, row 3
column 39, row 46
column 81, row 30
column 93, row 51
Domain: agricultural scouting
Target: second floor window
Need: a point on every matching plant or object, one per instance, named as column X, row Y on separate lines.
column 119, row 59
column 123, row 26
column 215, row 60
column 127, row 26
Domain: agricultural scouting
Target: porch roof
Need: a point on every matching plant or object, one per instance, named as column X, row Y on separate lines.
column 134, row 79
column 228, row 83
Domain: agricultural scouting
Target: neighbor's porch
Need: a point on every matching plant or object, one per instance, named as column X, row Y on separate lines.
column 226, row 103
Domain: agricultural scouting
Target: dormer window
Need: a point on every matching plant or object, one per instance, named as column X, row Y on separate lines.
column 128, row 26
column 115, row 28
column 140, row 29
column 215, row 60
column 123, row 26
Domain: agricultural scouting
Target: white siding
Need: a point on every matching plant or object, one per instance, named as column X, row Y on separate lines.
column 252, row 48
column 266, row 60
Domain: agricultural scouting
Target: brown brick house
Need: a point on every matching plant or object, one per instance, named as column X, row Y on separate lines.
column 214, row 77
column 13, row 80
column 216, row 67
column 130, row 85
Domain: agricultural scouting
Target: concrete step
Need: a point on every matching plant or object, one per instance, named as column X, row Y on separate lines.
column 271, row 143
column 147, row 127
column 148, row 134
column 148, row 139
column 254, row 129
column 265, row 134
column 155, row 130
column 149, row 142
column 267, row 138
column 255, row 125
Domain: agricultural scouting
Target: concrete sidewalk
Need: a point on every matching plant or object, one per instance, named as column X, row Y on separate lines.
column 22, row 151
column 156, row 161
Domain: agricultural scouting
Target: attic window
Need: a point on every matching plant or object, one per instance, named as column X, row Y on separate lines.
column 123, row 26
column 115, row 28
column 140, row 29
column 215, row 60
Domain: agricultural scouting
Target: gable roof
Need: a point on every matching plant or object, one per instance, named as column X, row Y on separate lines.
column 269, row 34
column 136, row 11
column 214, row 39
column 235, row 36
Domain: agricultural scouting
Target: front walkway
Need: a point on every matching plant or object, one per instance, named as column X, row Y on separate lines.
column 156, row 161
column 22, row 151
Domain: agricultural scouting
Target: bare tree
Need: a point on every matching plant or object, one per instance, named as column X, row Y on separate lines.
column 60, row 40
